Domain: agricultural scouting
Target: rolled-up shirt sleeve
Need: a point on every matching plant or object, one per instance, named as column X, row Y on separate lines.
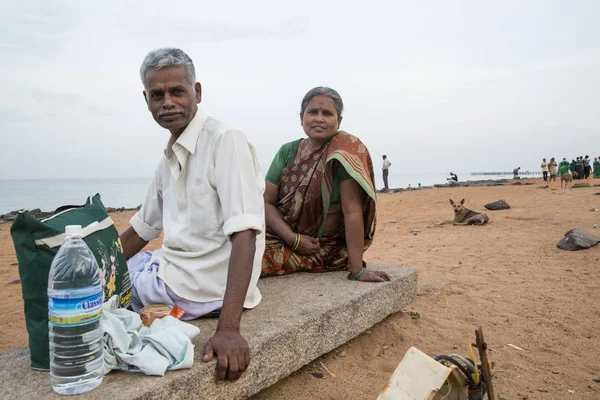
column 148, row 221
column 239, row 185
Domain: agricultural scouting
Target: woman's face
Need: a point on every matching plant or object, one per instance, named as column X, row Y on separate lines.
column 320, row 118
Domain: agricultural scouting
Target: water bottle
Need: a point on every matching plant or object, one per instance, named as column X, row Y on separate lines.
column 74, row 317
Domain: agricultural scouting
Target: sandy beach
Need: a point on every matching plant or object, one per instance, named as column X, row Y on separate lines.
column 509, row 277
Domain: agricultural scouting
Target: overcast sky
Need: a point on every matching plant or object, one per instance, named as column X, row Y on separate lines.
column 436, row 85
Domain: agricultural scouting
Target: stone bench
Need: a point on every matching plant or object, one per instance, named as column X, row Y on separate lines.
column 300, row 318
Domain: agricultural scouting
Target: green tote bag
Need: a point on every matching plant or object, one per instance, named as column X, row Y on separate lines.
column 37, row 242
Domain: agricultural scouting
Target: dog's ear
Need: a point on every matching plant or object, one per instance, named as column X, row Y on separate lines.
column 462, row 201
column 451, row 202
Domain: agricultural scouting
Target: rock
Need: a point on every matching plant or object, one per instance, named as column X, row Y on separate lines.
column 342, row 354
column 577, row 239
column 556, row 372
column 318, row 375
column 543, row 187
column 517, row 183
column 597, row 380
column 14, row 282
column 597, row 194
column 497, row 205
column 580, row 185
column 391, row 221
column 543, row 390
column 35, row 211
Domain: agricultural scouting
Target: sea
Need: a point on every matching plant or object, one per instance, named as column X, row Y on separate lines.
column 49, row 194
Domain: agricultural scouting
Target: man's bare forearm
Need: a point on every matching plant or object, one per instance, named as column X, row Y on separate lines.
column 243, row 249
column 132, row 243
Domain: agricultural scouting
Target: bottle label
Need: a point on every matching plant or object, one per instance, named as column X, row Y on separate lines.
column 73, row 312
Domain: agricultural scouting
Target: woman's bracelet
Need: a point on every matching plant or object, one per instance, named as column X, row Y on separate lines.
column 297, row 242
column 355, row 277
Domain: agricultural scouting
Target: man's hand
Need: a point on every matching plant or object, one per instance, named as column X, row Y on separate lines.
column 232, row 353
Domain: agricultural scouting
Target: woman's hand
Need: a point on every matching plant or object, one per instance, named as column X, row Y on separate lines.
column 308, row 245
column 374, row 276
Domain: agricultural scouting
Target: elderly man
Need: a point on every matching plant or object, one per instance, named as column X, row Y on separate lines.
column 206, row 196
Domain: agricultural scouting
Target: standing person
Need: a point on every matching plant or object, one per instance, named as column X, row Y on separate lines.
column 516, row 173
column 386, row 172
column 545, row 169
column 553, row 167
column 587, row 168
column 572, row 168
column 579, row 167
column 564, row 166
column 206, row 196
column 596, row 168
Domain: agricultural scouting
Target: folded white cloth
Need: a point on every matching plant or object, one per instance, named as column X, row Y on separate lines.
column 130, row 346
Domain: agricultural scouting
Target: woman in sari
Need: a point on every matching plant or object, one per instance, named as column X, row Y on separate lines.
column 596, row 168
column 320, row 197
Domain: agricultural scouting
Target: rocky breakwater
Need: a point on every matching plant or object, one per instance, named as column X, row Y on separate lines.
column 39, row 214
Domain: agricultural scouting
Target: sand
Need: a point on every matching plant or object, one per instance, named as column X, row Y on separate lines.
column 509, row 277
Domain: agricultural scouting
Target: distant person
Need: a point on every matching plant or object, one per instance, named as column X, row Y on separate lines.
column 420, row 186
column 453, row 177
column 572, row 166
column 579, row 167
column 386, row 172
column 587, row 168
column 409, row 186
column 564, row 166
column 545, row 169
column 596, row 168
column 553, row 167
column 516, row 173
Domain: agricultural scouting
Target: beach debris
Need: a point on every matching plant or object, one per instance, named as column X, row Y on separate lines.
column 497, row 205
column 556, row 372
column 342, row 353
column 568, row 270
column 570, row 391
column 318, row 375
column 543, row 187
column 415, row 315
column 577, row 239
column 580, row 185
column 391, row 221
column 515, row 347
column 415, row 232
column 14, row 282
column 542, row 390
column 597, row 194
column 597, row 380
column 327, row 369
column 594, row 210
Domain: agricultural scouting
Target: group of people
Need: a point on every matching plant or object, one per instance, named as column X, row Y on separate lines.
column 225, row 227
column 580, row 168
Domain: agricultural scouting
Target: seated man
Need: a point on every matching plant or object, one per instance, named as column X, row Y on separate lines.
column 207, row 197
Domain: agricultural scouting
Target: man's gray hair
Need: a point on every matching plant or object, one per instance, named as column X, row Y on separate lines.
column 323, row 91
column 167, row 57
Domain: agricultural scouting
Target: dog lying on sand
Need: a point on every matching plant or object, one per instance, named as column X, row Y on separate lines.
column 566, row 178
column 464, row 216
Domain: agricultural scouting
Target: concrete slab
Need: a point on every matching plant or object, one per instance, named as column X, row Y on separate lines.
column 301, row 317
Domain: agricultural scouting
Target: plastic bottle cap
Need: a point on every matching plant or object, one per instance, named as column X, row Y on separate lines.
column 72, row 230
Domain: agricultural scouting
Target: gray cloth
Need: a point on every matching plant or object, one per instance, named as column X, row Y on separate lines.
column 130, row 346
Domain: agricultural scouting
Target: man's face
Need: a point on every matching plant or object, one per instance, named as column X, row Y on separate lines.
column 171, row 98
